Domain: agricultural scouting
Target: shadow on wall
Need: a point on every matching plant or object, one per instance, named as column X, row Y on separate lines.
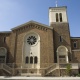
column 10, row 58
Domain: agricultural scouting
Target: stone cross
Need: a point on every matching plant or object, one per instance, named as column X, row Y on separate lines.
column 56, row 3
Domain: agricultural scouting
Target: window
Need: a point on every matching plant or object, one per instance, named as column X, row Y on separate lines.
column 60, row 39
column 4, row 39
column 35, row 59
column 31, row 60
column 27, row 59
column 57, row 17
column 62, row 56
column 31, row 40
column 60, row 16
column 75, row 44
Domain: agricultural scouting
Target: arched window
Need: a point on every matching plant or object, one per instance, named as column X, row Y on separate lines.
column 57, row 17
column 31, row 60
column 27, row 59
column 60, row 15
column 75, row 44
column 35, row 59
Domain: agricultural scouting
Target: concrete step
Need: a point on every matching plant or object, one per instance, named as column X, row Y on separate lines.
column 31, row 74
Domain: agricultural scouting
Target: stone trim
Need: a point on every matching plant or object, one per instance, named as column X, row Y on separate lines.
column 58, row 23
column 29, row 26
column 30, row 23
column 5, row 32
column 59, row 7
column 75, row 37
column 76, row 50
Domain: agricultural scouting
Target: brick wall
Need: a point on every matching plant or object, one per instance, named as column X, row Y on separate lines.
column 46, row 45
column 61, row 29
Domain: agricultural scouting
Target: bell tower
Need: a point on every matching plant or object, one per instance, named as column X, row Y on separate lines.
column 58, row 14
column 61, row 33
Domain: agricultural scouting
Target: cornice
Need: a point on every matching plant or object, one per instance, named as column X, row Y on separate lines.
column 58, row 7
column 4, row 32
column 32, row 24
column 75, row 37
column 76, row 50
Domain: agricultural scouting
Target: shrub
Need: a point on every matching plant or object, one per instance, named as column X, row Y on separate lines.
column 68, row 69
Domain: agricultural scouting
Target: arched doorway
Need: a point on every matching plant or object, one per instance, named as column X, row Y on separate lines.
column 3, row 54
column 31, row 50
column 62, row 54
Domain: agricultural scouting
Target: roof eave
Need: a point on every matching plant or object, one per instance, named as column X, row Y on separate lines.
column 5, row 32
column 31, row 22
column 75, row 37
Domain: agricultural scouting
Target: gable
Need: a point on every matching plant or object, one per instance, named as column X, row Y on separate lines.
column 32, row 24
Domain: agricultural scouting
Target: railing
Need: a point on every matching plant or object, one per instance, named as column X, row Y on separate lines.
column 7, row 68
column 50, row 69
column 72, row 65
column 65, row 65
column 45, row 68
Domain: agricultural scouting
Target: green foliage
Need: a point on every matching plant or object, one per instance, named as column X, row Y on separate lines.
column 78, row 75
column 68, row 69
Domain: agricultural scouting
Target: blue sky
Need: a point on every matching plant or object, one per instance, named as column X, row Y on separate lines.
column 16, row 12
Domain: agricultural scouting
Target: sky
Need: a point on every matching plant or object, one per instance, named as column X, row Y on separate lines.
column 17, row 12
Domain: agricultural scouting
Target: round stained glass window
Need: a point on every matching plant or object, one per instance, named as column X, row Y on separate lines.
column 31, row 40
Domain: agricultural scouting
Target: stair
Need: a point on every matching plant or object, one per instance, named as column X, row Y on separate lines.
column 31, row 75
column 50, row 69
column 6, row 68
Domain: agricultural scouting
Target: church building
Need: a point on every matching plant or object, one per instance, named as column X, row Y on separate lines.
column 36, row 49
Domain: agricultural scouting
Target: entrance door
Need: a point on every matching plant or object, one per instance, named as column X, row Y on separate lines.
column 62, row 54
column 62, row 59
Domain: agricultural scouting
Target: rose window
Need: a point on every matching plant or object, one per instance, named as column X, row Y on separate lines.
column 31, row 40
